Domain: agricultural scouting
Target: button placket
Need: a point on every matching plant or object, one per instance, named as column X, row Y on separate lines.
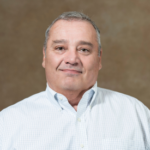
column 81, row 133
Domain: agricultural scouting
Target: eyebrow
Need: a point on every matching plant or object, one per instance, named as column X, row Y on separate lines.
column 80, row 42
column 85, row 43
column 59, row 41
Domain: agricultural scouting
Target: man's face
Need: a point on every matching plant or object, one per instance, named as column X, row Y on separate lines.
column 71, row 60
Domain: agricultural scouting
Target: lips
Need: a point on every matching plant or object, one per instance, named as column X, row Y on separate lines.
column 71, row 71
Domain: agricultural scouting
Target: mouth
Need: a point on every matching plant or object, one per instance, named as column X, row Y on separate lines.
column 70, row 71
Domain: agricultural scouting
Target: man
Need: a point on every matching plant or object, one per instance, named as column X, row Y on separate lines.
column 73, row 113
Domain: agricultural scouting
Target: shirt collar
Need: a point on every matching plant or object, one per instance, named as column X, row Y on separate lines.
column 86, row 100
column 52, row 92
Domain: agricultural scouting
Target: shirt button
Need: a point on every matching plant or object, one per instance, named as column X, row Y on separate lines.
column 79, row 120
column 61, row 98
column 82, row 146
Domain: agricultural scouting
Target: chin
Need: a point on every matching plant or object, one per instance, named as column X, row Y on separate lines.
column 71, row 86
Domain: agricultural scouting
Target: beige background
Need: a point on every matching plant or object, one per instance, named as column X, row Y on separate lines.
column 125, row 37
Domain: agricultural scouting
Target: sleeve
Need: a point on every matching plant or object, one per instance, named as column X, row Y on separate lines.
column 148, row 121
column 1, row 130
column 144, row 119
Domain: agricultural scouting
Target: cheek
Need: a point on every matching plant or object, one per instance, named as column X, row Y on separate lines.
column 92, row 66
column 52, row 61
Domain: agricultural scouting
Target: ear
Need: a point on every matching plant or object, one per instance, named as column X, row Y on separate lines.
column 100, row 60
column 44, row 55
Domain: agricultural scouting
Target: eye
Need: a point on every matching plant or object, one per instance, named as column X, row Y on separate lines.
column 60, row 48
column 84, row 51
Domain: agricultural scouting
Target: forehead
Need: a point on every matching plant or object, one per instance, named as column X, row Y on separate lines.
column 75, row 30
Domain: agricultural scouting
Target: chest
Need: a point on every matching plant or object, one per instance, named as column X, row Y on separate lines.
column 65, row 132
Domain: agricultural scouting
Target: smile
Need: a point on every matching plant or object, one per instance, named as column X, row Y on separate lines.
column 70, row 71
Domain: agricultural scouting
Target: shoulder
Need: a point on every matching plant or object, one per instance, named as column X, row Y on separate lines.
column 24, row 106
column 110, row 93
column 17, row 116
column 121, row 100
column 116, row 96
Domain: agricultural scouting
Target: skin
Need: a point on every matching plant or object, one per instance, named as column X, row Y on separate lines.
column 71, row 60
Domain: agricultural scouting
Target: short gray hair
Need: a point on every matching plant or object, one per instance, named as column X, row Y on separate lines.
column 73, row 15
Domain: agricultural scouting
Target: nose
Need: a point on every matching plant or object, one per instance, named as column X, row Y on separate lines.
column 71, row 57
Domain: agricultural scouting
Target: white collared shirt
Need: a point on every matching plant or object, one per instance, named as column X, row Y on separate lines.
column 104, row 120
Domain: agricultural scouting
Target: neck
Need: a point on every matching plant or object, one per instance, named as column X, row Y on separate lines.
column 73, row 97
